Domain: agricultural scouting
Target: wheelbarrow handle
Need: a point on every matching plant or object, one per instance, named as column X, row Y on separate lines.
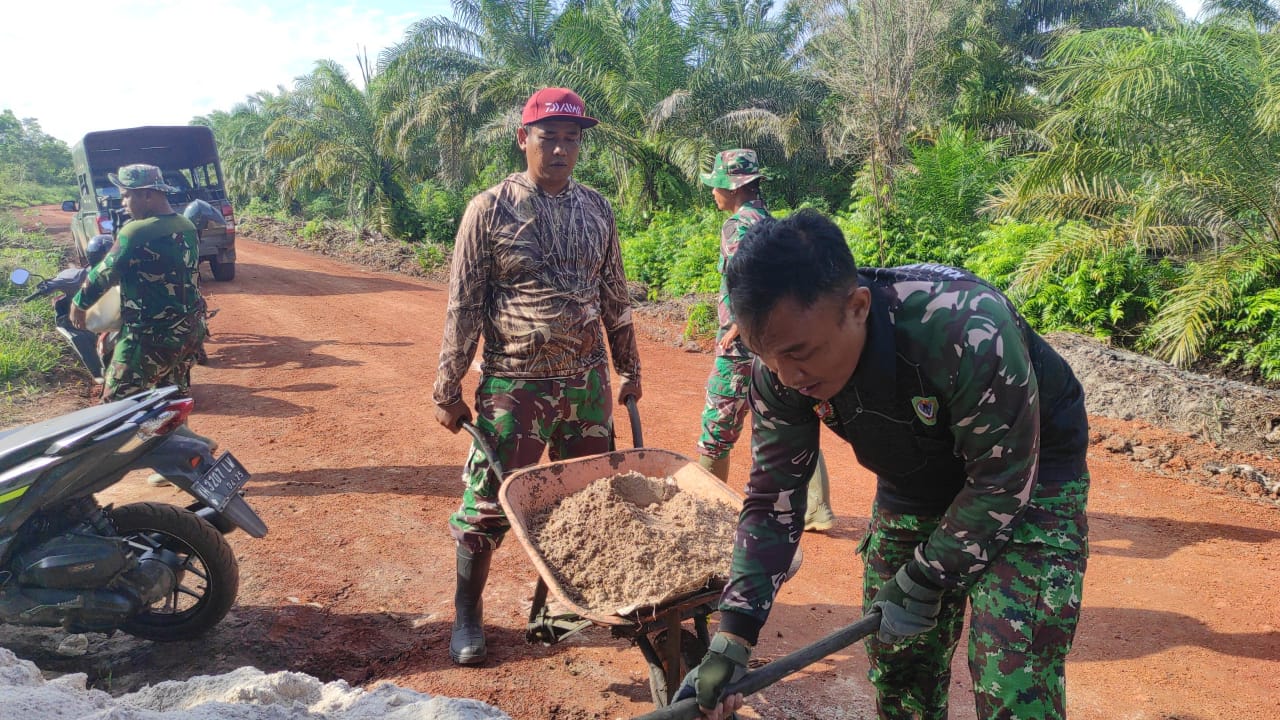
column 637, row 434
column 483, row 444
column 757, row 680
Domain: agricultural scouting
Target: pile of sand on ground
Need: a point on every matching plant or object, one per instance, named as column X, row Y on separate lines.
column 244, row 694
column 631, row 540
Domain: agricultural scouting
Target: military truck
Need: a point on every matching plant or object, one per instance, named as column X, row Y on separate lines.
column 188, row 157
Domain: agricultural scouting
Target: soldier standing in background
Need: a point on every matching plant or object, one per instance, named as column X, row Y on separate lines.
column 538, row 271
column 976, row 430
column 154, row 260
column 735, row 184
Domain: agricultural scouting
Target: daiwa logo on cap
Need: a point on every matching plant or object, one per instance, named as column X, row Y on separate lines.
column 555, row 108
column 926, row 409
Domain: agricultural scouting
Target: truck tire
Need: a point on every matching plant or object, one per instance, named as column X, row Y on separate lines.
column 222, row 271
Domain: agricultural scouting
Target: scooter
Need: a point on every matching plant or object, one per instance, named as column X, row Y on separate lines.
column 153, row 570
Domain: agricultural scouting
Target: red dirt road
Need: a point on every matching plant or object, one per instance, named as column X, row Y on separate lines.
column 320, row 381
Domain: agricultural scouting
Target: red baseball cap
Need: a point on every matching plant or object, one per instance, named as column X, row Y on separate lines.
column 556, row 103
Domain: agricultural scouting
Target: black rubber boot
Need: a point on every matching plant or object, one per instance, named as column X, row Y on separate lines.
column 466, row 647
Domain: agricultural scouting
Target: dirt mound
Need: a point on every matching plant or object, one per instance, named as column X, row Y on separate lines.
column 243, row 694
column 1128, row 386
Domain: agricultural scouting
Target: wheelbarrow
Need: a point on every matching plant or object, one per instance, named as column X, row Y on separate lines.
column 668, row 646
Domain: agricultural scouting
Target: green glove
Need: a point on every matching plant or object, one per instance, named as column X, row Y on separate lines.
column 724, row 664
column 907, row 606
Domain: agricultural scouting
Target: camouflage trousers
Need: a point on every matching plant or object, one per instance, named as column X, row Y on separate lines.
column 1023, row 616
column 726, row 408
column 570, row 417
column 139, row 363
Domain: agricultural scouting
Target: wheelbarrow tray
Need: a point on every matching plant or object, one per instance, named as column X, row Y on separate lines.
column 529, row 491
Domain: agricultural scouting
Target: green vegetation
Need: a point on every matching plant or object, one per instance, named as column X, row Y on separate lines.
column 35, row 169
column 29, row 345
column 1111, row 164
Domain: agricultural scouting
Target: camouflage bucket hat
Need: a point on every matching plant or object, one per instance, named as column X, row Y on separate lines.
column 140, row 177
column 733, row 169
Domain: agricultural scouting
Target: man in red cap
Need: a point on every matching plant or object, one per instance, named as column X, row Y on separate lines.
column 537, row 270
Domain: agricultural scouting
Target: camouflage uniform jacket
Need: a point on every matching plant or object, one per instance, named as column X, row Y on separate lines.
column 731, row 233
column 955, row 403
column 154, row 261
column 537, row 275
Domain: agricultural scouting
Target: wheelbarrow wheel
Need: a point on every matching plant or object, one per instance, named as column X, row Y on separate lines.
column 691, row 651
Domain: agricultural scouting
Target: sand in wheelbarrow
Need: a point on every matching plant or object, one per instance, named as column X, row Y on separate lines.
column 629, row 540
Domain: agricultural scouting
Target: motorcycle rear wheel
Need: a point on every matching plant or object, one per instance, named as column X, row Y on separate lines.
column 207, row 584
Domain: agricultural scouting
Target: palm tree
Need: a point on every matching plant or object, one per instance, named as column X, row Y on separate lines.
column 1166, row 142
column 751, row 84
column 454, row 87
column 1263, row 12
column 334, row 138
column 241, row 136
column 669, row 81
column 673, row 83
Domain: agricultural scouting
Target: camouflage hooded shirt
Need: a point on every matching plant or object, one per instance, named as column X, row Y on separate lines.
column 539, row 276
column 154, row 262
column 955, row 404
column 731, row 234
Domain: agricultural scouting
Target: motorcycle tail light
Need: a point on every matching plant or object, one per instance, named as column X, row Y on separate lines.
column 167, row 420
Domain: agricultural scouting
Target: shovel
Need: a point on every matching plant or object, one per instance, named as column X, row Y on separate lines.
column 767, row 675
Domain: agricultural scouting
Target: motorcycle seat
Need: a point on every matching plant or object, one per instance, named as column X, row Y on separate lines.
column 22, row 443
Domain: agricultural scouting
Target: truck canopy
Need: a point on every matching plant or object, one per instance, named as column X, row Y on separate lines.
column 186, row 153
column 170, row 147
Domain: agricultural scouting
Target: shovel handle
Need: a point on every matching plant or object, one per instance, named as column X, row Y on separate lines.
column 757, row 680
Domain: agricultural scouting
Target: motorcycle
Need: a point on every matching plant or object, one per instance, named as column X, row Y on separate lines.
column 154, row 570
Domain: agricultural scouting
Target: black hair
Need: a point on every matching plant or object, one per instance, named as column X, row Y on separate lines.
column 803, row 256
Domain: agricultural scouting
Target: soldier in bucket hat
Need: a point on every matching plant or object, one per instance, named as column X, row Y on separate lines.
column 153, row 260
column 735, row 183
column 537, row 271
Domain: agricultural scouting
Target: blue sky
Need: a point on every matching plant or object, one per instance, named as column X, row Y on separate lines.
column 63, row 62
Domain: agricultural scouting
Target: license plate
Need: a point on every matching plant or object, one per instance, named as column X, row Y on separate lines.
column 223, row 480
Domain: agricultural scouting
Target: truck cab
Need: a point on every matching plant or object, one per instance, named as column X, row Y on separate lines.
column 188, row 157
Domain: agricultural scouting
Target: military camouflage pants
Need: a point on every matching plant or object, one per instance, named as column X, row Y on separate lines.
column 727, row 390
column 140, row 363
column 570, row 417
column 1024, row 610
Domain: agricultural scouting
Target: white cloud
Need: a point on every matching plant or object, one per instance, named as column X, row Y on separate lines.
column 81, row 65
